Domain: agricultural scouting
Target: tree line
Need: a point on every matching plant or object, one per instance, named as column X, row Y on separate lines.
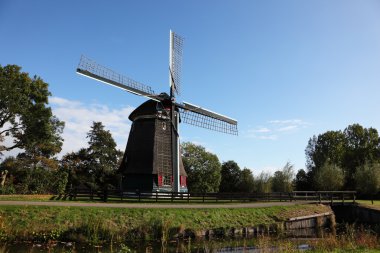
column 336, row 160
column 207, row 174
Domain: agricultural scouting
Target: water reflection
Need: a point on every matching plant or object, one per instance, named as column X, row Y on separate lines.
column 186, row 246
column 289, row 241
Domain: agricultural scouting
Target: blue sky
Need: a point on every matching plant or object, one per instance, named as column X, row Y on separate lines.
column 286, row 70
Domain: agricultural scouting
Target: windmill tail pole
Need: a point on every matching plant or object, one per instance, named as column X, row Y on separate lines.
column 175, row 142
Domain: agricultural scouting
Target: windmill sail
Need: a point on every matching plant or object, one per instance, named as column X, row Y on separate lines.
column 198, row 116
column 175, row 62
column 90, row 68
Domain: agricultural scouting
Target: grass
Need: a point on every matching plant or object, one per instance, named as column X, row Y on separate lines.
column 368, row 202
column 94, row 224
column 22, row 197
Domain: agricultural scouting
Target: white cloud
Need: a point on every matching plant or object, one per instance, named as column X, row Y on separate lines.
column 287, row 128
column 78, row 118
column 276, row 127
column 261, row 130
column 267, row 137
column 289, row 122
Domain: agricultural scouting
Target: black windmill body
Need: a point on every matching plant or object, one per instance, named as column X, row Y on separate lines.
column 152, row 161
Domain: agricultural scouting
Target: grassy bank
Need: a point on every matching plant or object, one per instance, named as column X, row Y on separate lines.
column 376, row 203
column 93, row 224
column 26, row 197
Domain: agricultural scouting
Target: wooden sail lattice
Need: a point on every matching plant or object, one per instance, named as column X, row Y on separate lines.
column 176, row 45
column 205, row 121
column 94, row 70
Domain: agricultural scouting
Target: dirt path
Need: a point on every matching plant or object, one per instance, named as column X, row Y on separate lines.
column 149, row 205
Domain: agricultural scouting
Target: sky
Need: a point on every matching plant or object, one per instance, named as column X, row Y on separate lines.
column 286, row 70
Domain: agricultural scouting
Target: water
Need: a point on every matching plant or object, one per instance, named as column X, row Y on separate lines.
column 301, row 240
column 201, row 246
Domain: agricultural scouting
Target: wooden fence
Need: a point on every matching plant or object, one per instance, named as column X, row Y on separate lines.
column 310, row 196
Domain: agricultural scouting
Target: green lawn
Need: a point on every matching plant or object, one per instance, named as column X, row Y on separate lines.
column 30, row 197
column 368, row 202
column 93, row 223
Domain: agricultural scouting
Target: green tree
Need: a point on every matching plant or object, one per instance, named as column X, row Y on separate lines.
column 362, row 146
column 102, row 155
column 231, row 176
column 348, row 150
column 76, row 164
column 25, row 116
column 329, row 146
column 263, row 183
column 282, row 180
column 247, row 181
column 302, row 181
column 29, row 178
column 329, row 177
column 202, row 168
column 367, row 178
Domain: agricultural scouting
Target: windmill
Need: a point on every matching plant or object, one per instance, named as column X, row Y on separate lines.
column 152, row 161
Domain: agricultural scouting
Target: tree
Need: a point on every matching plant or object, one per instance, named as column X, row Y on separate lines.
column 24, row 115
column 329, row 177
column 327, row 146
column 362, row 146
column 27, row 178
column 367, row 178
column 282, row 180
column 231, row 177
column 348, row 150
column 202, row 168
column 247, row 181
column 76, row 164
column 263, row 183
column 302, row 181
column 102, row 155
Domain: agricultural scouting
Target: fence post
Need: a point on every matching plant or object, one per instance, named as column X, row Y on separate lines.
column 354, row 196
column 343, row 198
column 280, row 196
column 188, row 197
column 139, row 195
column 332, row 198
column 91, row 194
column 203, row 197
column 172, row 196
column 156, row 196
column 320, row 199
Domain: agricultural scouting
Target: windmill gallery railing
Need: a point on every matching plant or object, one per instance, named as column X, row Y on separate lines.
column 309, row 196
